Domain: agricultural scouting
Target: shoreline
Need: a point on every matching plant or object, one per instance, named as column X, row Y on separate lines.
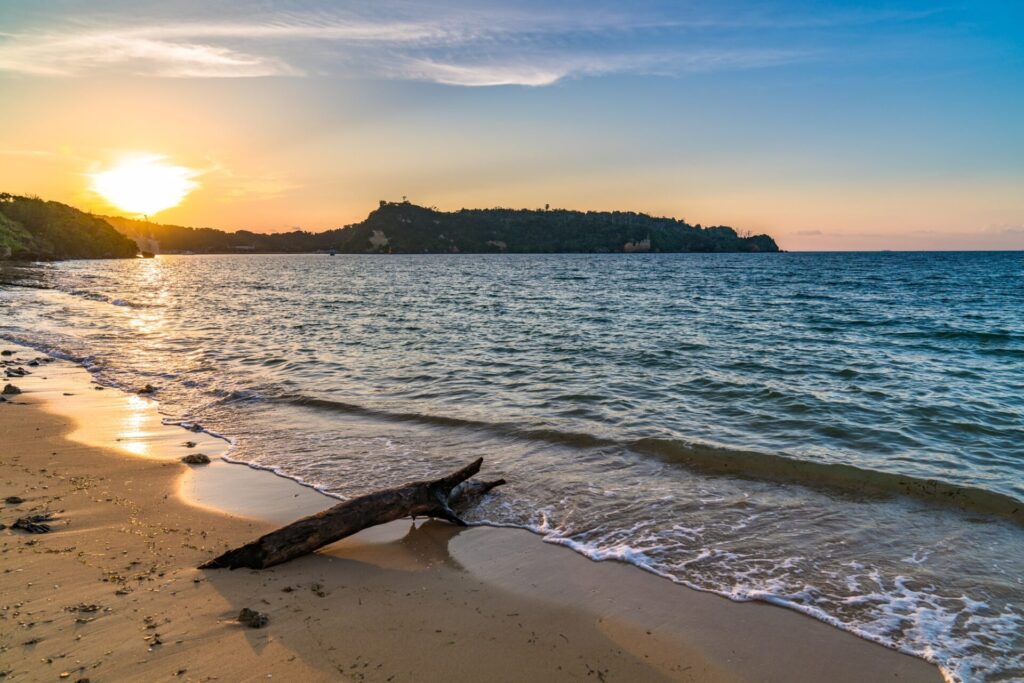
column 605, row 619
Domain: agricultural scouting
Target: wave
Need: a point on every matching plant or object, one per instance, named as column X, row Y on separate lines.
column 503, row 429
column 81, row 293
column 956, row 334
column 103, row 298
column 28, row 285
column 723, row 461
column 841, row 477
column 953, row 661
column 50, row 350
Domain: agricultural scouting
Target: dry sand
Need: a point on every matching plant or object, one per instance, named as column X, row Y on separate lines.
column 112, row 592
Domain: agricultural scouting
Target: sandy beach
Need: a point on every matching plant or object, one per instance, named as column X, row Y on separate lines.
column 112, row 592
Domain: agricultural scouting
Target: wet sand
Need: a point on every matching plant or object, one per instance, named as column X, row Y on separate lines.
column 112, row 592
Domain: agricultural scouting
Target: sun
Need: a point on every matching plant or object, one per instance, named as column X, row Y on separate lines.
column 144, row 184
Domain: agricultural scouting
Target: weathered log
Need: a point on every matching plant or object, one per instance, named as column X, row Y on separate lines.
column 418, row 499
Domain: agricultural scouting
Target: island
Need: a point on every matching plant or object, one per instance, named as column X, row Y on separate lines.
column 406, row 228
column 33, row 229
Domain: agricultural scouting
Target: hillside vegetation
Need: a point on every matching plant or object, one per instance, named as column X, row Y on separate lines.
column 177, row 239
column 402, row 227
column 407, row 228
column 34, row 229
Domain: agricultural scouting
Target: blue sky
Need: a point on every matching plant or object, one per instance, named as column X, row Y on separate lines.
column 830, row 125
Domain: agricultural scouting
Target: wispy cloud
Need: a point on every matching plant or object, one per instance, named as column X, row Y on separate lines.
column 482, row 46
column 548, row 69
column 476, row 75
column 64, row 55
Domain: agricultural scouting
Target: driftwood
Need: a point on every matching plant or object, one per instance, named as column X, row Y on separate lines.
column 436, row 498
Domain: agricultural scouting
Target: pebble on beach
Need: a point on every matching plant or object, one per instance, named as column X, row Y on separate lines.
column 252, row 618
column 196, row 459
column 11, row 389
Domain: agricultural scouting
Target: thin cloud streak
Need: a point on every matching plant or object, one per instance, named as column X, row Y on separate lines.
column 476, row 49
column 478, row 75
column 75, row 55
column 552, row 69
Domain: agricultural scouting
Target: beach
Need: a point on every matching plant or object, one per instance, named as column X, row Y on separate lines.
column 508, row 341
column 113, row 593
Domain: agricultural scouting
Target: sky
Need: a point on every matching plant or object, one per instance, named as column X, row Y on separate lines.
column 828, row 125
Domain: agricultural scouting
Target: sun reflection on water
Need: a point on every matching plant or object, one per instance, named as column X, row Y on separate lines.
column 131, row 436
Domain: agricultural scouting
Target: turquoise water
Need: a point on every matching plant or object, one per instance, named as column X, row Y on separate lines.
column 841, row 434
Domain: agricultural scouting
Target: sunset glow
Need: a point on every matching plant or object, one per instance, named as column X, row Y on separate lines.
column 876, row 127
column 725, row 297
column 144, row 185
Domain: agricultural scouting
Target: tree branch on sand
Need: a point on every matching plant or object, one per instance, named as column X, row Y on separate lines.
column 438, row 498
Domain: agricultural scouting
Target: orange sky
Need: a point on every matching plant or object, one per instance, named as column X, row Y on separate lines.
column 808, row 150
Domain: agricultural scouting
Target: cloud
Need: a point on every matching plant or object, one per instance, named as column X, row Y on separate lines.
column 808, row 233
column 478, row 45
column 479, row 74
column 57, row 55
column 209, row 49
column 551, row 68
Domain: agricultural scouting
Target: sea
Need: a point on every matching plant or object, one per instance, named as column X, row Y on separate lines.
column 840, row 434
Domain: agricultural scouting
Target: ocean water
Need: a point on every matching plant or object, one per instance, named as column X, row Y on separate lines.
column 841, row 434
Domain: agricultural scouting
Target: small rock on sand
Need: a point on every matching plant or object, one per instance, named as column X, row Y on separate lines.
column 6, row 352
column 148, row 389
column 252, row 618
column 10, row 389
column 14, row 500
column 83, row 607
column 196, row 459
